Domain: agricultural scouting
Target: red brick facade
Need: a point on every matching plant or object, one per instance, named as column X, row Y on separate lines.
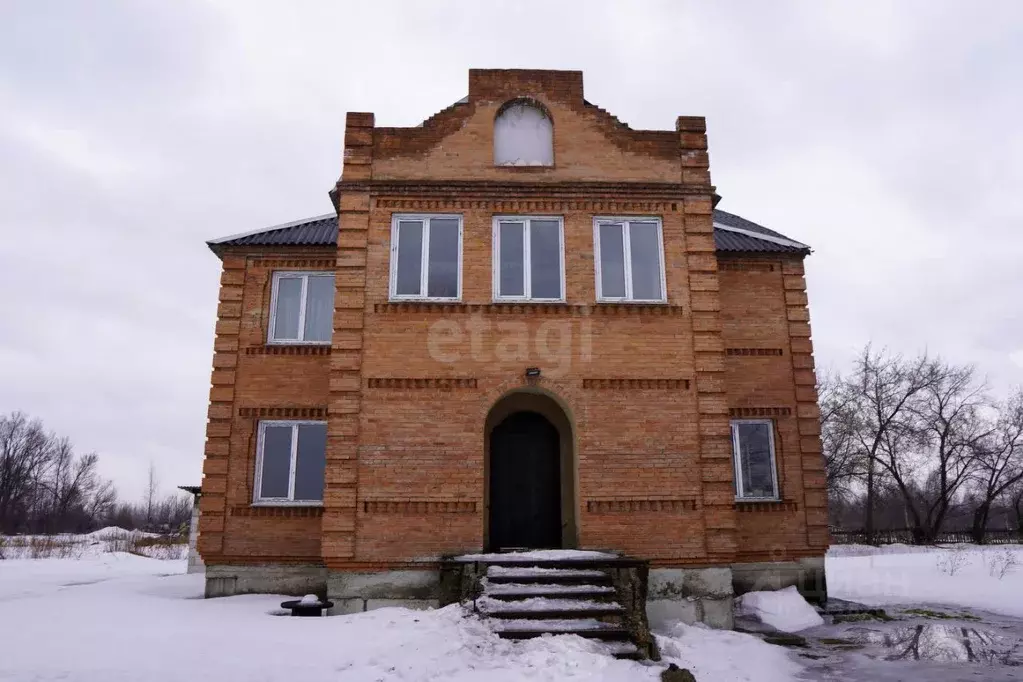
column 647, row 390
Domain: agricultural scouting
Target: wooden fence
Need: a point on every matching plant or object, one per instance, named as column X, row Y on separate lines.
column 905, row 536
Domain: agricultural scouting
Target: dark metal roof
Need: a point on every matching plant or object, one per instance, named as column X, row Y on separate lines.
column 736, row 234
column 731, row 234
column 318, row 231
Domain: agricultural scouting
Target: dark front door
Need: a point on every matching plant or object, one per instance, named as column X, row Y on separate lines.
column 525, row 483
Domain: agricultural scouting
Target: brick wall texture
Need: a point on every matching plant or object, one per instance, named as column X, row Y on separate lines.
column 406, row 388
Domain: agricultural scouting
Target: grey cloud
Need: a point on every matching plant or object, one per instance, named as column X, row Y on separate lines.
column 886, row 135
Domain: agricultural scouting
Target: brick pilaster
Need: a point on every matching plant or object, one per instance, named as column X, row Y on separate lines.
column 213, row 503
column 340, row 493
column 715, row 450
column 815, row 498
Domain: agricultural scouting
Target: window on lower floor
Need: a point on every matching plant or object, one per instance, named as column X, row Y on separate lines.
column 290, row 460
column 630, row 260
column 301, row 307
column 528, row 262
column 755, row 466
column 426, row 255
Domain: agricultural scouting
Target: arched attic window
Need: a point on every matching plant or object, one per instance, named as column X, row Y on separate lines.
column 523, row 135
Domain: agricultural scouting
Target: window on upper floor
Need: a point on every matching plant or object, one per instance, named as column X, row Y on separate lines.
column 629, row 257
column 290, row 461
column 523, row 136
column 301, row 307
column 426, row 257
column 756, row 475
column 528, row 259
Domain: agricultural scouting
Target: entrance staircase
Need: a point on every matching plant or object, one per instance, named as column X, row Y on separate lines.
column 596, row 598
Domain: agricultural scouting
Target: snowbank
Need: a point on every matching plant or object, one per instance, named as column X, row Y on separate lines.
column 879, row 576
column 719, row 655
column 110, row 617
column 784, row 610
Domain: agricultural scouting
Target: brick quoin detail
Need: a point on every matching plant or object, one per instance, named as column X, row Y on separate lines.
column 647, row 390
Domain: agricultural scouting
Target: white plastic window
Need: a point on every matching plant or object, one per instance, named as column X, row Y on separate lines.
column 426, row 257
column 528, row 259
column 290, row 461
column 302, row 307
column 629, row 260
column 756, row 475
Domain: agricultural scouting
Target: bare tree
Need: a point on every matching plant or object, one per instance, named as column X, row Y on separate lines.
column 931, row 455
column 25, row 452
column 999, row 466
column 44, row 485
column 1014, row 499
column 152, row 489
column 884, row 388
column 843, row 461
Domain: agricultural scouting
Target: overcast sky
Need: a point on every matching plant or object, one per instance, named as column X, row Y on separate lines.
column 887, row 135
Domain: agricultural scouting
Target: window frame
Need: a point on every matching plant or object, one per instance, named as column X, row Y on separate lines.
column 424, row 274
column 737, row 460
column 278, row 275
column 527, row 275
column 257, row 487
column 626, row 222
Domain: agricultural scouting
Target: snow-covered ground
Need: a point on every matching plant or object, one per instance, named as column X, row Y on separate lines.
column 114, row 617
column 956, row 575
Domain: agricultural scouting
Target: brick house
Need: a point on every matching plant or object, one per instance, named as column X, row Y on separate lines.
column 525, row 325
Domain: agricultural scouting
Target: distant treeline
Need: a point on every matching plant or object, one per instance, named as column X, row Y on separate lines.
column 46, row 487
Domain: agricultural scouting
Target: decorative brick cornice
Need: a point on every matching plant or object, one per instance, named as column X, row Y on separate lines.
column 303, row 263
column 553, row 309
column 302, row 349
column 726, row 265
column 611, row 506
column 588, row 195
column 529, row 206
column 278, row 512
column 422, row 506
column 755, row 352
column 743, row 412
column 443, row 383
column 283, row 412
column 767, row 506
column 619, row 384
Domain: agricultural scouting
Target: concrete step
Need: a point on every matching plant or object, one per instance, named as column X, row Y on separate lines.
column 547, row 576
column 610, row 633
column 519, row 592
column 556, row 614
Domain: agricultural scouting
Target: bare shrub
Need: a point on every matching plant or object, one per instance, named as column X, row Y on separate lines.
column 155, row 547
column 1002, row 563
column 953, row 560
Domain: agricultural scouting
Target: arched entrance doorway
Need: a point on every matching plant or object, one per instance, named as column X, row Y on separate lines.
column 530, row 473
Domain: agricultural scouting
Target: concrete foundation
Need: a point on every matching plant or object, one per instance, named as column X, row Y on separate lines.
column 300, row 579
column 195, row 564
column 355, row 592
column 806, row 574
column 690, row 595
